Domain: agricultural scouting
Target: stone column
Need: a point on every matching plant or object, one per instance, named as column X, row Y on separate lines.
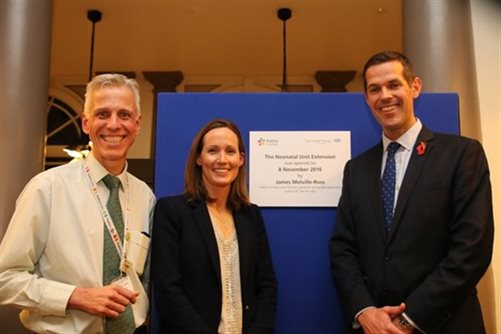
column 163, row 82
column 438, row 38
column 25, row 31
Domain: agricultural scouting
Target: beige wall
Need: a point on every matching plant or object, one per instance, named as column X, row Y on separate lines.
column 486, row 19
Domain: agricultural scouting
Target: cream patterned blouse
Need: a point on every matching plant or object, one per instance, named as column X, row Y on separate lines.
column 231, row 314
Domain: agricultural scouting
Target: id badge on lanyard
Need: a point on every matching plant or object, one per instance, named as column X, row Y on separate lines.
column 110, row 226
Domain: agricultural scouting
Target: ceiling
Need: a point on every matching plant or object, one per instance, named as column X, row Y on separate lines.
column 222, row 37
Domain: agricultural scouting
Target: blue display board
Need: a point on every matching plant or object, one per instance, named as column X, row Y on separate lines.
column 307, row 298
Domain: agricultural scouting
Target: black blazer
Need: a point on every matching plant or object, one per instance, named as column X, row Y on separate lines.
column 441, row 239
column 186, row 275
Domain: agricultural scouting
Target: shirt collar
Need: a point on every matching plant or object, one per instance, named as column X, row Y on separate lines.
column 408, row 139
column 98, row 171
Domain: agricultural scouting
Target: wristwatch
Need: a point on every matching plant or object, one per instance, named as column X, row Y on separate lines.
column 402, row 322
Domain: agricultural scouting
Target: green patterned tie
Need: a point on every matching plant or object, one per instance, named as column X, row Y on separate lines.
column 111, row 260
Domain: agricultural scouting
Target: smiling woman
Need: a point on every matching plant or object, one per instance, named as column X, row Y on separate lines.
column 220, row 161
column 211, row 263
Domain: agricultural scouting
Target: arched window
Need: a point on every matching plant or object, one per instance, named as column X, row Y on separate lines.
column 63, row 124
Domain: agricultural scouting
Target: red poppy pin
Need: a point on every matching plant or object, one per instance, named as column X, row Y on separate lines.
column 421, row 148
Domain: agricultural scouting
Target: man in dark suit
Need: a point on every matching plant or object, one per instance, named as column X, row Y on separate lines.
column 414, row 227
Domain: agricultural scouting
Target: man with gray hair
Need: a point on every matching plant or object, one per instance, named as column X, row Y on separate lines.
column 75, row 250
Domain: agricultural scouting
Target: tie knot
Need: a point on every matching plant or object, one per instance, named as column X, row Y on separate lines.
column 111, row 182
column 393, row 147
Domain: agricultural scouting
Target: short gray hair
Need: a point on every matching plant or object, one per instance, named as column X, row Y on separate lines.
column 111, row 79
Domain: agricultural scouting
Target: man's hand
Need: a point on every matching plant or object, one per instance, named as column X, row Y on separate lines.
column 380, row 320
column 108, row 301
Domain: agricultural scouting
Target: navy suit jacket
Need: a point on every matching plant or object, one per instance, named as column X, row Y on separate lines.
column 186, row 274
column 441, row 239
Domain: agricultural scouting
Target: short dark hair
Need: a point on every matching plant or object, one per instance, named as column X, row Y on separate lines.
column 386, row 56
column 194, row 186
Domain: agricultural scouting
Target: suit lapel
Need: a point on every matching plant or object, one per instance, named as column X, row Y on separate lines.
column 374, row 163
column 203, row 221
column 242, row 225
column 416, row 164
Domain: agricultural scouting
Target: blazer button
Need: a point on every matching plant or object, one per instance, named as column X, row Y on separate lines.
column 387, row 258
column 247, row 307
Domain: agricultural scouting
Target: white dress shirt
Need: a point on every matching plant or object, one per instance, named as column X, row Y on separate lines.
column 403, row 154
column 54, row 243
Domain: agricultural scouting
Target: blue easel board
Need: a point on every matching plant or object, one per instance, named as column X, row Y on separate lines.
column 307, row 299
